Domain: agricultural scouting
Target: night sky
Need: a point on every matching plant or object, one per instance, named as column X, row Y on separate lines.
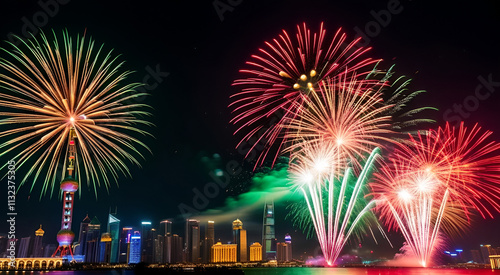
column 449, row 50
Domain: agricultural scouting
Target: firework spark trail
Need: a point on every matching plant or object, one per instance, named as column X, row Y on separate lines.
column 51, row 87
column 429, row 185
column 338, row 216
column 282, row 77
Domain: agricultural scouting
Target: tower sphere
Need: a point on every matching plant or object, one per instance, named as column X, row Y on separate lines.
column 65, row 237
column 69, row 184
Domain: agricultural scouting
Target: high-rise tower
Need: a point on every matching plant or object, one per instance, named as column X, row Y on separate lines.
column 268, row 250
column 38, row 246
column 240, row 238
column 69, row 186
column 114, row 231
column 82, row 236
column 192, row 241
column 209, row 241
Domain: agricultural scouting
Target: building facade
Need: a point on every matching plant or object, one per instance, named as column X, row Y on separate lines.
column 255, row 252
column 114, row 231
column 177, row 249
column 82, row 247
column 124, row 244
column 135, row 248
column 92, row 248
column 224, row 253
column 192, row 241
column 105, row 252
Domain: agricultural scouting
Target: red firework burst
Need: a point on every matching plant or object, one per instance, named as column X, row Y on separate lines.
column 429, row 185
column 281, row 75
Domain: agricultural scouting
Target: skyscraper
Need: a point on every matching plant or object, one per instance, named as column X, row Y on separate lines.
column 38, row 245
column 288, row 241
column 105, row 248
column 114, row 231
column 82, row 237
column 92, row 238
column 177, row 249
column 209, row 241
column 158, row 248
column 147, row 242
column 268, row 249
column 125, row 236
column 486, row 251
column 25, row 247
column 135, row 248
column 283, row 252
column 166, row 232
column 240, row 239
column 192, row 241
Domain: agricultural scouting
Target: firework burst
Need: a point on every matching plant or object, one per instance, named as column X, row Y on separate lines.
column 344, row 114
column 281, row 78
column 336, row 205
column 430, row 183
column 51, row 88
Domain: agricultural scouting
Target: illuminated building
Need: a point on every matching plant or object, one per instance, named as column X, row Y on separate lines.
column 105, row 248
column 147, row 242
column 92, row 238
column 69, row 186
column 25, row 247
column 114, row 231
column 177, row 249
column 125, row 236
column 240, row 238
column 476, row 256
column 486, row 251
column 192, row 241
column 288, row 241
column 255, row 252
column 135, row 248
column 283, row 252
column 268, row 237
column 82, row 247
column 209, row 241
column 38, row 245
column 224, row 253
column 495, row 261
column 158, row 243
column 166, row 232
column 47, row 250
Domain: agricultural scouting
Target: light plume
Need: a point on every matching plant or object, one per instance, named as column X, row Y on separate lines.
column 269, row 184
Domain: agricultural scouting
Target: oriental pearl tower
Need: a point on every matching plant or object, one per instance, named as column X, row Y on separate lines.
column 69, row 186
